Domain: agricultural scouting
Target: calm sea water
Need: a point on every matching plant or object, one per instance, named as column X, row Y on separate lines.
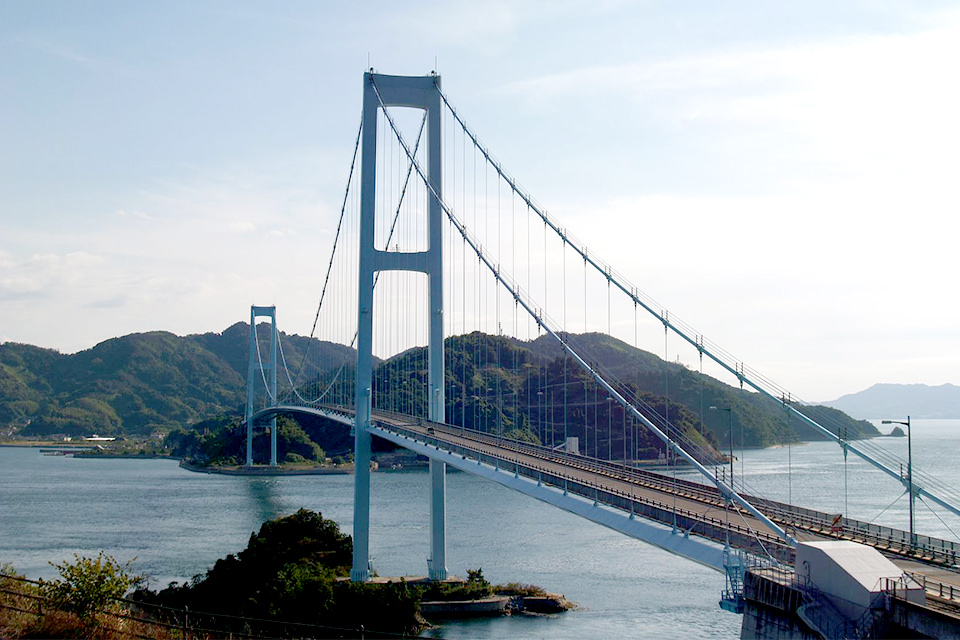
column 177, row 523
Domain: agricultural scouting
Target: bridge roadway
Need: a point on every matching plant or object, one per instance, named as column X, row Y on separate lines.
column 689, row 507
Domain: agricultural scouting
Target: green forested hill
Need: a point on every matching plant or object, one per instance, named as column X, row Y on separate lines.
column 759, row 421
column 232, row 346
column 134, row 384
column 140, row 383
column 536, row 387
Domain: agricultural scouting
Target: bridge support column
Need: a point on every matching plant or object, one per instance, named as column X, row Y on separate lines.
column 418, row 93
column 361, row 494
column 437, row 563
column 266, row 371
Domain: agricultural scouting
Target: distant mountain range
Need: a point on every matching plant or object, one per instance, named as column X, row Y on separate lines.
column 135, row 384
column 155, row 382
column 897, row 401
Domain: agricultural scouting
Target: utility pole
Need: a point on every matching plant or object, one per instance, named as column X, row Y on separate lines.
column 913, row 535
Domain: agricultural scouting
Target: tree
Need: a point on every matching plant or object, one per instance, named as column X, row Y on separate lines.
column 89, row 585
column 293, row 570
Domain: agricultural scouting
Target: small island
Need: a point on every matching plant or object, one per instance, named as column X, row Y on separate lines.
column 291, row 581
column 296, row 570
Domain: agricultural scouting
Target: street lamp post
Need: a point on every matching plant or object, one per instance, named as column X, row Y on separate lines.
column 728, row 500
column 730, row 411
column 586, row 422
column 540, row 417
column 548, row 417
column 913, row 536
column 609, row 428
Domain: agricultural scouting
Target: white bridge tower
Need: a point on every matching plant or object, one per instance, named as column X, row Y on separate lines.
column 421, row 92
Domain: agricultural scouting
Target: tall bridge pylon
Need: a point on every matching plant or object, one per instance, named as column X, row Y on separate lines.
column 266, row 370
column 419, row 93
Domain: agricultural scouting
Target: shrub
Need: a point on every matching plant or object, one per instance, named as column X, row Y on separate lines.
column 17, row 601
column 519, row 589
column 475, row 588
column 89, row 585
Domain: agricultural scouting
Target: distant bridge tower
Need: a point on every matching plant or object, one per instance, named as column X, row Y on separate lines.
column 265, row 370
column 421, row 92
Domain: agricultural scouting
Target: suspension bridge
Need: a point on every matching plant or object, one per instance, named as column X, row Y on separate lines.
column 460, row 320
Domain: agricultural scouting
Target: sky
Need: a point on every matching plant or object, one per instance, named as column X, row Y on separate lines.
column 782, row 176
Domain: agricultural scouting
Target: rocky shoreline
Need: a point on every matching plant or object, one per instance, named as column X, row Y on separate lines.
column 497, row 605
column 498, row 600
column 266, row 470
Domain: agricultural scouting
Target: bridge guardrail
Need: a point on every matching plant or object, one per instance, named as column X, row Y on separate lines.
column 715, row 529
column 884, row 538
column 936, row 588
column 880, row 536
column 887, row 538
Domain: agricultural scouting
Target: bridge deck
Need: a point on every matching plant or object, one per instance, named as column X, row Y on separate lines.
column 699, row 509
column 691, row 507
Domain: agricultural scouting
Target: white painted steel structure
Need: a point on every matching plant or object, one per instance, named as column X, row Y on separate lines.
column 263, row 370
column 379, row 92
column 698, row 549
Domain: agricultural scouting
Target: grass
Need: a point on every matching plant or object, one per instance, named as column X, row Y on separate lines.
column 26, row 613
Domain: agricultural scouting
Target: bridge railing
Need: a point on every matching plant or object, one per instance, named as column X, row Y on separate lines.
column 882, row 537
column 935, row 588
column 717, row 529
column 945, row 550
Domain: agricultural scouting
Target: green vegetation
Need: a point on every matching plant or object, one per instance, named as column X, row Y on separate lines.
column 86, row 602
column 293, row 570
column 89, row 585
column 132, row 385
column 520, row 589
column 475, row 588
column 291, row 580
column 223, row 442
column 151, row 384
column 529, row 391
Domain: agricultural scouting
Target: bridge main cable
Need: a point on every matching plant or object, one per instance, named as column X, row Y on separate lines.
column 696, row 341
column 727, row 490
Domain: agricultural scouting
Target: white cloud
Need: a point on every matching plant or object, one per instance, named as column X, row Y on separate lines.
column 855, row 105
column 242, row 227
column 812, row 213
column 46, row 274
column 784, row 280
column 140, row 215
column 196, row 266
